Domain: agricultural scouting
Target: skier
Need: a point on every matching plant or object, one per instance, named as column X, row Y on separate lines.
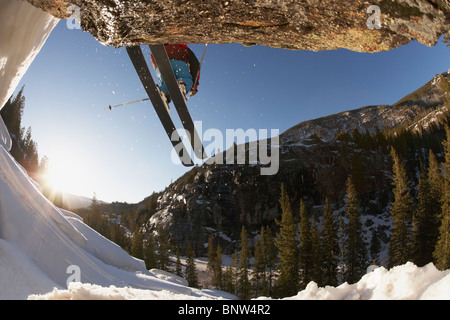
column 185, row 66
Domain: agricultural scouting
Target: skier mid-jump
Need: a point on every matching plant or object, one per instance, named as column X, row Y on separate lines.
column 185, row 66
column 178, row 71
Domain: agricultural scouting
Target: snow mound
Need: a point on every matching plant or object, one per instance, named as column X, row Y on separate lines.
column 405, row 282
column 86, row 291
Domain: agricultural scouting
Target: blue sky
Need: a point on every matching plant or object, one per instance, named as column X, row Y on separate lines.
column 125, row 155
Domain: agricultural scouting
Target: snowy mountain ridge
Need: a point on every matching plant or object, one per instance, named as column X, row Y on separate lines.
column 370, row 118
column 77, row 202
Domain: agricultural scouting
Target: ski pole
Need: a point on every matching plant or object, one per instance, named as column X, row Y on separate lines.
column 125, row 103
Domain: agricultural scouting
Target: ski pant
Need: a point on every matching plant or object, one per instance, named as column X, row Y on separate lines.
column 181, row 71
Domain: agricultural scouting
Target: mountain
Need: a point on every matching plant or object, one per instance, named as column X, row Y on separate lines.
column 77, row 202
column 371, row 118
column 316, row 158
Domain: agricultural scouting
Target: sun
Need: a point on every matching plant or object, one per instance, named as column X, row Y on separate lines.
column 66, row 175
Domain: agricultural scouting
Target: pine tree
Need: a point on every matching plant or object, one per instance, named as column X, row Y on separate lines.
column 215, row 262
column 162, row 239
column 423, row 224
column 341, row 272
column 355, row 253
column 137, row 247
column 31, row 156
column 244, row 287
column 218, row 265
column 271, row 259
column 12, row 112
column 178, row 269
column 286, row 244
column 442, row 250
column 229, row 278
column 305, row 249
column 118, row 236
column 259, row 264
column 191, row 270
column 211, row 265
column 330, row 246
column 317, row 272
column 436, row 182
column 401, row 214
column 150, row 256
column 94, row 217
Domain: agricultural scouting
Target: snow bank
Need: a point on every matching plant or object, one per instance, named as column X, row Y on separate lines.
column 80, row 291
column 24, row 30
column 406, row 282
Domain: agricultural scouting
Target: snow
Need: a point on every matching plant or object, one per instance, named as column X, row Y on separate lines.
column 49, row 253
column 20, row 42
column 80, row 291
column 406, row 282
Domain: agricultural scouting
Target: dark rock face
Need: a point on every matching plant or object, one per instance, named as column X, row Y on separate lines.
column 293, row 24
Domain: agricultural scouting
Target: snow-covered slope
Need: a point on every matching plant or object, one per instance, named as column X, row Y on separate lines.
column 40, row 245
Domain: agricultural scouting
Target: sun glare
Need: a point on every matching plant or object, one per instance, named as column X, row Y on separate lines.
column 66, row 175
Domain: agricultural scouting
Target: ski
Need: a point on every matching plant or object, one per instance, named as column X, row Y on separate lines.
column 161, row 108
column 162, row 60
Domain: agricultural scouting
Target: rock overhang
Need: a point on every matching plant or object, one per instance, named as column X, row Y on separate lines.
column 357, row 25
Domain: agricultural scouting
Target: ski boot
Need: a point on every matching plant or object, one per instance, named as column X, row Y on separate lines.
column 165, row 98
column 182, row 86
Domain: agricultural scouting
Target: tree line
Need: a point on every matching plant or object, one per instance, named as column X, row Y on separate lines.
column 24, row 148
column 335, row 250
